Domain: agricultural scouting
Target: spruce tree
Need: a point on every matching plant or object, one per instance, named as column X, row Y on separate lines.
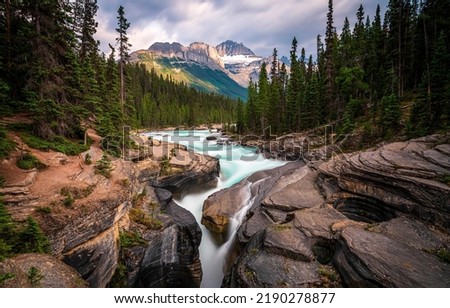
column 124, row 48
column 390, row 114
column 263, row 104
column 292, row 89
column 32, row 239
column 329, row 74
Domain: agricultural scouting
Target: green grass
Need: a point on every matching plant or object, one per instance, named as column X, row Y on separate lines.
column 28, row 162
column 34, row 276
column 142, row 218
column 44, row 210
column 129, row 239
column 6, row 276
column 445, row 179
column 197, row 76
column 444, row 255
column 57, row 143
column 329, row 276
column 119, row 279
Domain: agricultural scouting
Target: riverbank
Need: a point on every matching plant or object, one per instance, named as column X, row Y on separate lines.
column 350, row 221
column 94, row 218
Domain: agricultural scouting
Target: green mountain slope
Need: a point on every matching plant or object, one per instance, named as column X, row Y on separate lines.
column 193, row 74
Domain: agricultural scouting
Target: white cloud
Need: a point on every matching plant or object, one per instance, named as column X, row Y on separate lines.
column 259, row 24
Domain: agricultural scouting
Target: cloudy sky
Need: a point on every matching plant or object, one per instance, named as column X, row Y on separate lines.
column 260, row 24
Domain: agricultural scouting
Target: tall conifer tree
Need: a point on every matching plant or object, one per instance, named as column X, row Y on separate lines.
column 124, row 49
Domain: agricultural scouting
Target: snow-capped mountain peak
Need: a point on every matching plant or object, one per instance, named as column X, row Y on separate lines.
column 240, row 59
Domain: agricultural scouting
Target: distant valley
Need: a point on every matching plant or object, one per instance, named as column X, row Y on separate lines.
column 224, row 69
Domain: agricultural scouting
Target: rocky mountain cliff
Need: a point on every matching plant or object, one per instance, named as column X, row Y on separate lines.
column 231, row 48
column 226, row 68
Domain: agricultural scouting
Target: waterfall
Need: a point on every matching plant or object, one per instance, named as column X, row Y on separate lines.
column 236, row 163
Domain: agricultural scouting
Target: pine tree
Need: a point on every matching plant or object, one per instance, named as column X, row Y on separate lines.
column 51, row 64
column 88, row 44
column 359, row 34
column 124, row 48
column 329, row 76
column 32, row 239
column 7, row 232
column 240, row 125
column 391, row 114
column 292, row 89
column 376, row 61
column 345, row 46
column 262, row 103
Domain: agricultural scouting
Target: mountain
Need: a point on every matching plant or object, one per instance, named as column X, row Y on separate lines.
column 225, row 69
column 230, row 48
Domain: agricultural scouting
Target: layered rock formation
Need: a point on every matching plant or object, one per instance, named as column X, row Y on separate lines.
column 84, row 213
column 171, row 259
column 371, row 219
column 224, row 204
column 201, row 170
column 196, row 52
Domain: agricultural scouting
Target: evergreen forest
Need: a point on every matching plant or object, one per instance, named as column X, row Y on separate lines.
column 51, row 69
column 381, row 76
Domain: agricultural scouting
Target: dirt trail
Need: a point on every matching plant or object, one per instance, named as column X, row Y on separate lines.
column 28, row 190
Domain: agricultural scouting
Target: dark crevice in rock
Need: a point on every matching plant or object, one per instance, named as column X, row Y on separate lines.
column 323, row 250
column 364, row 210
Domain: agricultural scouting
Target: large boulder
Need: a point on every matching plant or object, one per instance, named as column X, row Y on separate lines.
column 226, row 203
column 265, row 263
column 202, row 170
column 39, row 271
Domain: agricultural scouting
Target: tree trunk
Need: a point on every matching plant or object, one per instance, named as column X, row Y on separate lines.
column 122, row 86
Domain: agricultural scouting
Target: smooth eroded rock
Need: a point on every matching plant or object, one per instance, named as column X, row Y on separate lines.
column 171, row 259
column 372, row 259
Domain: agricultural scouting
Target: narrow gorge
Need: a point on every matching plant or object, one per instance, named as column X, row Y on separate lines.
column 223, row 215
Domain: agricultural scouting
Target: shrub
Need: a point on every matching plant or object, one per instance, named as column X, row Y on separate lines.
column 34, row 276
column 57, row 143
column 15, row 239
column 7, row 232
column 2, row 181
column 329, row 276
column 44, row 210
column 165, row 165
column 32, row 239
column 6, row 276
column 68, row 201
column 103, row 166
column 73, row 193
column 141, row 217
column 119, row 279
column 88, row 159
column 444, row 255
column 6, row 144
column 129, row 239
column 29, row 161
